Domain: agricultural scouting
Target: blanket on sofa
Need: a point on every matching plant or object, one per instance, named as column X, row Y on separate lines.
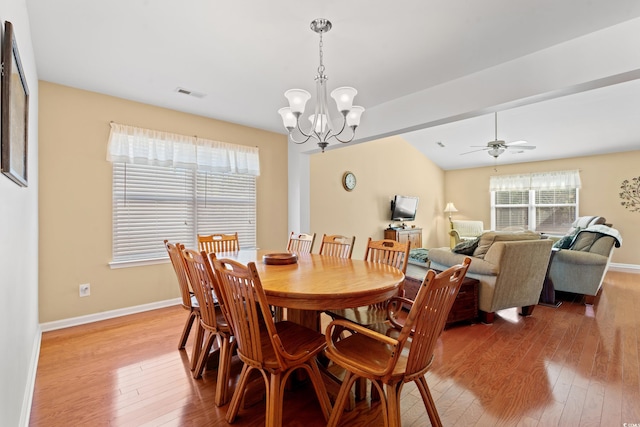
column 419, row 254
column 603, row 229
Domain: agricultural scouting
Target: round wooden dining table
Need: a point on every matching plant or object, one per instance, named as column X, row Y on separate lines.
column 318, row 282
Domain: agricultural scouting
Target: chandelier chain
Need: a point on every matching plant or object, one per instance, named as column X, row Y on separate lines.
column 321, row 66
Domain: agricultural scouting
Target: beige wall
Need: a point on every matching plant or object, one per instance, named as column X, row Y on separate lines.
column 601, row 178
column 75, row 199
column 392, row 166
column 383, row 168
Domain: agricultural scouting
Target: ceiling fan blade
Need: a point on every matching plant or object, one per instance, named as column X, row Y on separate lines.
column 475, row 151
column 525, row 147
column 516, row 143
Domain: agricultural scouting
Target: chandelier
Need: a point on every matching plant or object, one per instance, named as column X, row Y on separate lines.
column 321, row 127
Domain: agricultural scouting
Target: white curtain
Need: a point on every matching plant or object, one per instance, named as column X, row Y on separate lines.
column 128, row 144
column 559, row 180
column 510, row 182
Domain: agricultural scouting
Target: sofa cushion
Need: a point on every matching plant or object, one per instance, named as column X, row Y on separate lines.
column 488, row 238
column 446, row 258
column 603, row 246
column 466, row 247
column 584, row 241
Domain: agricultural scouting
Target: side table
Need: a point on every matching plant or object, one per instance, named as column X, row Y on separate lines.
column 465, row 307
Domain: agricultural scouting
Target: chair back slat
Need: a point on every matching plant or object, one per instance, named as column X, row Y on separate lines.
column 175, row 255
column 389, row 252
column 220, row 242
column 247, row 304
column 204, row 285
column 337, row 245
column 428, row 315
column 301, row 242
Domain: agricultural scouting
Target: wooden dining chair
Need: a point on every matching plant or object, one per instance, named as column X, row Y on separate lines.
column 219, row 242
column 276, row 349
column 388, row 252
column 390, row 362
column 213, row 323
column 189, row 301
column 301, row 242
column 337, row 245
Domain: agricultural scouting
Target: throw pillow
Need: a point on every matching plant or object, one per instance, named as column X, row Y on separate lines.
column 565, row 241
column 466, row 247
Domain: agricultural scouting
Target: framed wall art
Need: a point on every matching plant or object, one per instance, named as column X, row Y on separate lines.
column 15, row 111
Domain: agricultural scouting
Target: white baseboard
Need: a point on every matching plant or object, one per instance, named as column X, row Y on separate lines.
column 625, row 268
column 89, row 318
column 27, row 400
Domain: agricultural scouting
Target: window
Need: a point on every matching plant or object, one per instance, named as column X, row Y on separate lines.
column 175, row 200
column 544, row 202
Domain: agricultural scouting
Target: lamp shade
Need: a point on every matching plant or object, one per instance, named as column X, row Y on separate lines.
column 297, row 99
column 344, row 98
column 353, row 117
column 450, row 208
column 288, row 119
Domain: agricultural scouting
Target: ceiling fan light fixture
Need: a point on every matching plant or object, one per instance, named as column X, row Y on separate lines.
column 495, row 151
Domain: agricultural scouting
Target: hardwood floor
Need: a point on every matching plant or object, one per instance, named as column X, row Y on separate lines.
column 575, row 365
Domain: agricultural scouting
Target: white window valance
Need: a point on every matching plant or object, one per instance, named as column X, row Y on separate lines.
column 559, row 180
column 128, row 144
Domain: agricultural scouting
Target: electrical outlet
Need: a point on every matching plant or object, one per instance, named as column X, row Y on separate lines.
column 85, row 290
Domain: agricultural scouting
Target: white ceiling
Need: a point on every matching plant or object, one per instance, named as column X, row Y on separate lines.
column 243, row 55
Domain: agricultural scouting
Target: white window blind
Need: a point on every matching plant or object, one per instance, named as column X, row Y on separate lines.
column 226, row 203
column 150, row 204
column 211, row 189
column 546, row 202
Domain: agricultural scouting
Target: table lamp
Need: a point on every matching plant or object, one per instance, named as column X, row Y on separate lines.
column 448, row 209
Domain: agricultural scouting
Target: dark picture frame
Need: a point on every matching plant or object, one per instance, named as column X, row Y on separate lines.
column 15, row 111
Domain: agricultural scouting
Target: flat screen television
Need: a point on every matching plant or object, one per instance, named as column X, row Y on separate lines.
column 403, row 208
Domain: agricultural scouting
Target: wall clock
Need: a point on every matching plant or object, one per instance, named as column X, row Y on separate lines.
column 349, row 181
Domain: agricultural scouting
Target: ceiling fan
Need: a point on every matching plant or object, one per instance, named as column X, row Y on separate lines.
column 497, row 146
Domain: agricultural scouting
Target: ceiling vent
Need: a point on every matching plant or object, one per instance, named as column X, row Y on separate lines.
column 190, row 92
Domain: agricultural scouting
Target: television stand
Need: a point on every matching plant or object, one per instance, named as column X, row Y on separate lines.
column 403, row 235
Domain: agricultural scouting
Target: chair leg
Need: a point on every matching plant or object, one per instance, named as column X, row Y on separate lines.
column 224, row 367
column 204, row 355
column 341, row 400
column 186, row 330
column 318, row 385
column 236, row 400
column 197, row 346
column 275, row 395
column 429, row 404
column 393, row 404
